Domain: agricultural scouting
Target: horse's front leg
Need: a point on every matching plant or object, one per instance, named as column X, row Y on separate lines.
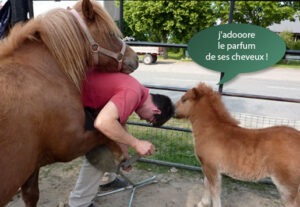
column 30, row 190
column 206, row 198
column 215, row 190
column 212, row 188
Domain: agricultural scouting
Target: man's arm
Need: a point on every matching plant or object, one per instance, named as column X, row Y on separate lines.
column 108, row 123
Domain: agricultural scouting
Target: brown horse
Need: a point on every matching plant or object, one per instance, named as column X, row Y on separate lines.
column 42, row 65
column 223, row 147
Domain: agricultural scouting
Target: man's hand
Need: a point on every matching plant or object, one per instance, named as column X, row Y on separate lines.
column 144, row 148
column 108, row 123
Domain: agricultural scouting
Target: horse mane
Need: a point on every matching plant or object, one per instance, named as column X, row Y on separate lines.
column 59, row 30
column 214, row 100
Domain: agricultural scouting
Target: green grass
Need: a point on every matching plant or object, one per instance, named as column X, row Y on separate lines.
column 171, row 145
column 288, row 64
column 176, row 56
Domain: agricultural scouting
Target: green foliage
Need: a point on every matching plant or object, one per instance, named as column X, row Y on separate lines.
column 177, row 21
column 297, row 45
column 177, row 54
column 261, row 13
column 288, row 38
column 294, row 4
column 160, row 21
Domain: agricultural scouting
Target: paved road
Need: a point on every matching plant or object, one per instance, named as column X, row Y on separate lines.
column 270, row 82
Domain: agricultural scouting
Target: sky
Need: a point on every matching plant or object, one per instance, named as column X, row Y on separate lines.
column 41, row 6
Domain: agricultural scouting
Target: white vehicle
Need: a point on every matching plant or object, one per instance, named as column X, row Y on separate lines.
column 150, row 53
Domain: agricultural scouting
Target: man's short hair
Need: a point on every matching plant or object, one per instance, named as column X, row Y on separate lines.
column 165, row 105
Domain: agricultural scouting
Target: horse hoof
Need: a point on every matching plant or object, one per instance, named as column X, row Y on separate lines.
column 102, row 158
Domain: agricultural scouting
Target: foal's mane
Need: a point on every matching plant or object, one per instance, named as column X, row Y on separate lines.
column 214, row 100
column 59, row 30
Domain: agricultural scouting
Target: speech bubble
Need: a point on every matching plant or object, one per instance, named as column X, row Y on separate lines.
column 236, row 48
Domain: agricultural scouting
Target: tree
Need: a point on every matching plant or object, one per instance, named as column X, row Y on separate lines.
column 294, row 4
column 162, row 20
column 177, row 21
column 261, row 13
column 289, row 40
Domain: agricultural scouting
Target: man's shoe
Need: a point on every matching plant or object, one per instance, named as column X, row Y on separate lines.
column 116, row 184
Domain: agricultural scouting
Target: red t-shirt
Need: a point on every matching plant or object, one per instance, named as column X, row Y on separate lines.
column 122, row 89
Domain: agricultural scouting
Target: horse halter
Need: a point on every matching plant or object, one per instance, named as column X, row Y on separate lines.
column 96, row 47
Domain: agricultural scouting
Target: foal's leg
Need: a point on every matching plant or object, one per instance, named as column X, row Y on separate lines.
column 298, row 197
column 30, row 190
column 206, row 198
column 215, row 190
column 212, row 183
column 289, row 192
column 292, row 199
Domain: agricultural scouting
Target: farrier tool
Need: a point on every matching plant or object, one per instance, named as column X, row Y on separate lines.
column 133, row 186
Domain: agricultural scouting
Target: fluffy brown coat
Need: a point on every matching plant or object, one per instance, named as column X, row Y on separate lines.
column 42, row 65
column 223, row 147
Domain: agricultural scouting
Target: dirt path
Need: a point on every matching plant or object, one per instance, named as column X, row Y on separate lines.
column 173, row 189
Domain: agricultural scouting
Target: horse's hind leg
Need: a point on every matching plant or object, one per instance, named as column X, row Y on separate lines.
column 289, row 192
column 30, row 190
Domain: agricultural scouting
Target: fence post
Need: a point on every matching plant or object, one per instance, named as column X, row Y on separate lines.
column 121, row 25
column 229, row 21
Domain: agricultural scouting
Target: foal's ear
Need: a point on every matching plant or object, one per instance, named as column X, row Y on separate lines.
column 87, row 10
column 192, row 94
column 196, row 93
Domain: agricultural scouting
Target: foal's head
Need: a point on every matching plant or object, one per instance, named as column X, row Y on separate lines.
column 185, row 106
column 203, row 100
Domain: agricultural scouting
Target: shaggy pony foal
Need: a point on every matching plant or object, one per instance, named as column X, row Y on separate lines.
column 223, row 147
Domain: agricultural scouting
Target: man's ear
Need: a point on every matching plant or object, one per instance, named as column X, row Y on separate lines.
column 156, row 111
column 87, row 10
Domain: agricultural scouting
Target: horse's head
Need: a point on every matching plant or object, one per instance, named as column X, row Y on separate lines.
column 110, row 53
